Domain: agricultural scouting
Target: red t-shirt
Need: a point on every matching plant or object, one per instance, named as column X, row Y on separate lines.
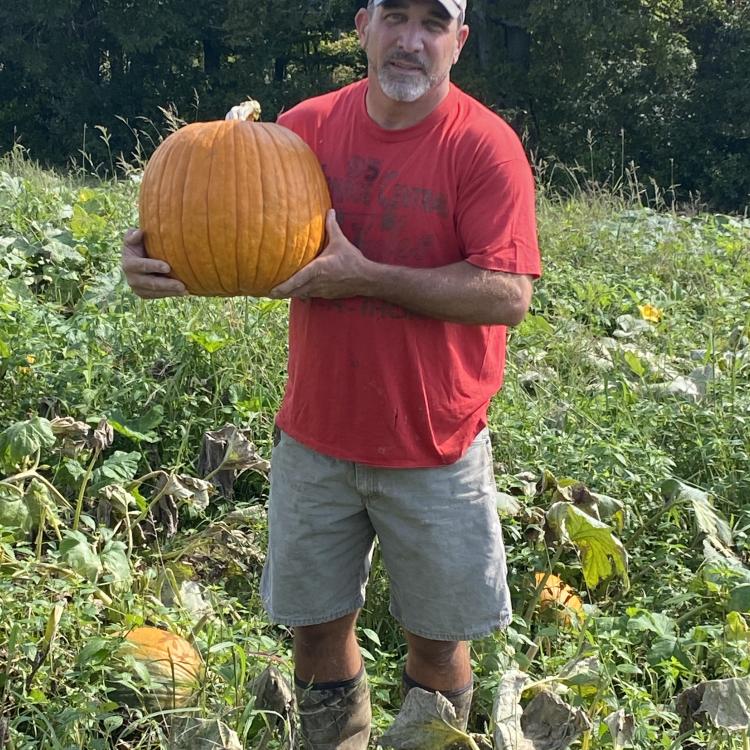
column 370, row 381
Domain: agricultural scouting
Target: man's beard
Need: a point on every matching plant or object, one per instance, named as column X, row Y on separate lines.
column 407, row 87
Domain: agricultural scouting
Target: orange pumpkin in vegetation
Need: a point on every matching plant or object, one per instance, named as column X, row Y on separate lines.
column 235, row 207
column 174, row 666
column 558, row 598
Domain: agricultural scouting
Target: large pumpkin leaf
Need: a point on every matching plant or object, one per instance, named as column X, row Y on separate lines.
column 425, row 723
column 22, row 440
column 79, row 555
column 602, row 553
column 118, row 468
column 114, row 561
column 14, row 512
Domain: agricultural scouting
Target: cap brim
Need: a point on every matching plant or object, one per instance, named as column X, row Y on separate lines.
column 452, row 7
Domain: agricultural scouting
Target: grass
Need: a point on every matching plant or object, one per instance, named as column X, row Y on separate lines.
column 587, row 402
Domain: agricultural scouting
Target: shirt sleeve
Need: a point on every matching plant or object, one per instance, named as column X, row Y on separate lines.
column 496, row 219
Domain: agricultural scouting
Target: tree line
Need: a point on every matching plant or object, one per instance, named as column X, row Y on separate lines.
column 656, row 91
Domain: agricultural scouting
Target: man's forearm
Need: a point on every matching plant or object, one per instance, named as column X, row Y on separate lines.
column 460, row 292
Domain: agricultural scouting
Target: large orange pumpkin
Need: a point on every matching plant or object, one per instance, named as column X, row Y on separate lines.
column 235, row 207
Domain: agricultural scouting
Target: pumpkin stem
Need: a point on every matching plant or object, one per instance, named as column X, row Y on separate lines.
column 249, row 110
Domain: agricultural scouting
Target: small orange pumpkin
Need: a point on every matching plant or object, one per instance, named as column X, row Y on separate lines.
column 174, row 666
column 558, row 597
column 235, row 207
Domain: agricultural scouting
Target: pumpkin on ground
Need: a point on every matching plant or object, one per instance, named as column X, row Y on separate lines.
column 174, row 667
column 235, row 207
column 558, row 598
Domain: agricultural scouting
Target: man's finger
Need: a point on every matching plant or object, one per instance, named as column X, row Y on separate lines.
column 137, row 264
column 332, row 226
column 293, row 284
column 133, row 236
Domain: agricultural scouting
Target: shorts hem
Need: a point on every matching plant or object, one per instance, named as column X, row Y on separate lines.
column 467, row 635
column 297, row 622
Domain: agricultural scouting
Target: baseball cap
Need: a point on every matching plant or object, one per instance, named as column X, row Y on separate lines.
column 454, row 7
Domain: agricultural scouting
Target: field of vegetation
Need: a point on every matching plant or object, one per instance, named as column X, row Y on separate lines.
column 134, row 447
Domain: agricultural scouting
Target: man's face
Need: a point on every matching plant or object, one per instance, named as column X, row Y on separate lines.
column 410, row 45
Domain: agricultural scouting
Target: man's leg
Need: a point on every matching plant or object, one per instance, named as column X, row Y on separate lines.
column 328, row 652
column 441, row 666
column 333, row 699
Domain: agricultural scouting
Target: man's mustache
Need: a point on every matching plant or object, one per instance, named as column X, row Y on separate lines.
column 408, row 59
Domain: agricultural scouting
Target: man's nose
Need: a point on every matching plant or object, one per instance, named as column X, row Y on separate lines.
column 411, row 39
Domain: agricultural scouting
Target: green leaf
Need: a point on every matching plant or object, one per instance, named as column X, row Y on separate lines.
column 96, row 651
column 634, row 363
column 79, row 555
column 739, row 599
column 707, row 518
column 114, row 560
column 14, row 513
column 208, row 340
column 22, row 440
column 602, row 553
column 118, row 468
column 372, row 635
column 140, row 429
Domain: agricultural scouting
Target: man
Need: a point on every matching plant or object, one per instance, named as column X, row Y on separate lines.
column 396, row 346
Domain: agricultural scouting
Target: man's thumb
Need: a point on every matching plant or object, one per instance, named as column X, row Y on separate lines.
column 332, row 226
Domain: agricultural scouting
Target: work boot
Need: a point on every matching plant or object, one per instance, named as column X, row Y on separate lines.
column 334, row 715
column 459, row 699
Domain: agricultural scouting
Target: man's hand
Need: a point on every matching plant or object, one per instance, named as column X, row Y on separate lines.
column 339, row 271
column 144, row 275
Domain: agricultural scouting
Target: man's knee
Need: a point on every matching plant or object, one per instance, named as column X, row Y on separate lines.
column 317, row 636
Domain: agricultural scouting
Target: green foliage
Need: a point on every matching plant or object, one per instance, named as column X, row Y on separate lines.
column 594, row 87
column 621, row 448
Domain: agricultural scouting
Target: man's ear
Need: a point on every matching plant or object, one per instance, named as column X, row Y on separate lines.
column 463, row 35
column 361, row 22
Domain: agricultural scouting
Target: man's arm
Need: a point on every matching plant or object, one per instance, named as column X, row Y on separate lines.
column 460, row 292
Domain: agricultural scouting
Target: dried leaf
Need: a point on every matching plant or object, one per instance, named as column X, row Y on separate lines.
column 67, row 427
column 507, row 712
column 273, row 693
column 725, row 703
column 203, row 734
column 119, row 499
column 630, row 326
column 549, row 723
column 425, row 722
column 102, row 436
column 621, row 727
column 226, row 452
column 507, row 505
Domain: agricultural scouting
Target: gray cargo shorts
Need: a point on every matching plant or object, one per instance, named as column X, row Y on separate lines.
column 438, row 530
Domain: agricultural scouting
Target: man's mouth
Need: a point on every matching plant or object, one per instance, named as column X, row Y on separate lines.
column 406, row 67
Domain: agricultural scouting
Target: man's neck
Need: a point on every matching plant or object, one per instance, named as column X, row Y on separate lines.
column 394, row 115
